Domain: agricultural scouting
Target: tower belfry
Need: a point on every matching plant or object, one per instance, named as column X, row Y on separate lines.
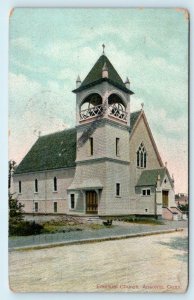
column 103, row 86
column 103, row 120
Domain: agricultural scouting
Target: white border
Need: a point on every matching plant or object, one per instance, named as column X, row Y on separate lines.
column 5, row 7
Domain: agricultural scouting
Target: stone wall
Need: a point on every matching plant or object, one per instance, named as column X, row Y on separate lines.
column 141, row 135
column 46, row 196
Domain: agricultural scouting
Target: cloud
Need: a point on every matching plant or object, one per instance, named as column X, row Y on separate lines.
column 175, row 153
column 23, row 43
column 34, row 108
column 174, row 128
column 21, row 89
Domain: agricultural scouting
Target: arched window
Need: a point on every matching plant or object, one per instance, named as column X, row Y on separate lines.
column 55, row 183
column 141, row 156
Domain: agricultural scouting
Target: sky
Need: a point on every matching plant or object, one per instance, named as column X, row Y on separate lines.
column 48, row 48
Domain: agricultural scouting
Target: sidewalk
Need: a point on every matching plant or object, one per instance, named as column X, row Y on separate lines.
column 118, row 231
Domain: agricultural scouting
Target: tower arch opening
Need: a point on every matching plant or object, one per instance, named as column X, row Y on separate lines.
column 117, row 107
column 91, row 106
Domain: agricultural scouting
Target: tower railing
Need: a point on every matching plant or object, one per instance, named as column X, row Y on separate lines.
column 91, row 112
column 114, row 111
column 98, row 110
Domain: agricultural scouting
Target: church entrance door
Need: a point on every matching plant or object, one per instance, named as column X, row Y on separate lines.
column 165, row 198
column 91, row 202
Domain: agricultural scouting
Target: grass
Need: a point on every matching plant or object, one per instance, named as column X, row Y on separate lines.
column 54, row 226
column 95, row 226
column 49, row 228
column 137, row 220
column 143, row 221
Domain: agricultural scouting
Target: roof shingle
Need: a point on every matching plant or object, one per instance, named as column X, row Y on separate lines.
column 133, row 118
column 53, row 151
column 149, row 177
column 95, row 76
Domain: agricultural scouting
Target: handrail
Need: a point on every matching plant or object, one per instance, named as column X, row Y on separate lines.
column 118, row 113
column 91, row 112
column 98, row 111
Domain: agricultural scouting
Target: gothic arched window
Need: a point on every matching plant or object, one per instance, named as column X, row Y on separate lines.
column 141, row 156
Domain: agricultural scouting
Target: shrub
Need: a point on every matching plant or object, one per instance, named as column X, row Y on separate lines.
column 15, row 209
column 24, row 228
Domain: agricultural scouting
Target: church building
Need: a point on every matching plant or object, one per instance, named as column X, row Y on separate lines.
column 108, row 165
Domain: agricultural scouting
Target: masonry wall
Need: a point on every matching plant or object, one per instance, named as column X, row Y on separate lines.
column 104, row 142
column 145, row 205
column 141, row 135
column 88, row 176
column 117, row 172
column 46, row 196
column 166, row 185
column 105, row 167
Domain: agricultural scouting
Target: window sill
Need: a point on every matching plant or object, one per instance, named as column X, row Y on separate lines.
column 35, row 192
column 118, row 196
column 55, row 191
column 145, row 195
column 140, row 167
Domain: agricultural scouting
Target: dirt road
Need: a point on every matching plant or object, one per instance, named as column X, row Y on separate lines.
column 155, row 263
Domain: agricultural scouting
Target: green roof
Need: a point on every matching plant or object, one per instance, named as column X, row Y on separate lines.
column 149, row 177
column 95, row 76
column 53, row 151
column 133, row 118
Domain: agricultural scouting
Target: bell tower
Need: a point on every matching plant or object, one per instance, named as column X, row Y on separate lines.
column 102, row 122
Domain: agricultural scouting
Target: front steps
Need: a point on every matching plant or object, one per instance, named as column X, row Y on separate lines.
column 172, row 213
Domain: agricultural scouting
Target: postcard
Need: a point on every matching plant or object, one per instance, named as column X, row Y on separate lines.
column 98, row 150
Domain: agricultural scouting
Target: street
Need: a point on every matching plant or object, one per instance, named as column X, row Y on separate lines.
column 156, row 263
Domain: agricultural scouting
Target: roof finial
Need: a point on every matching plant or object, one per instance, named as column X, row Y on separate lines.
column 142, row 105
column 165, row 164
column 103, row 46
column 78, row 81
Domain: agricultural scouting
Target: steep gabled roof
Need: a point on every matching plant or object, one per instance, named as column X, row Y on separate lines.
column 136, row 117
column 53, row 151
column 149, row 177
column 95, row 76
column 133, row 118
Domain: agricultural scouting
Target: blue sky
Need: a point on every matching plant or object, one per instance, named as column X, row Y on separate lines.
column 50, row 47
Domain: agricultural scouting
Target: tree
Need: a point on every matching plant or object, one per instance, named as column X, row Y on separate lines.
column 184, row 208
column 12, row 166
column 15, row 210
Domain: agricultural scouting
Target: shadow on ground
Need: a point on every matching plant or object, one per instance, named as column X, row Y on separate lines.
column 178, row 243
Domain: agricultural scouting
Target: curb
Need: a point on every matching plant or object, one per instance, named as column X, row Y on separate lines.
column 95, row 240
